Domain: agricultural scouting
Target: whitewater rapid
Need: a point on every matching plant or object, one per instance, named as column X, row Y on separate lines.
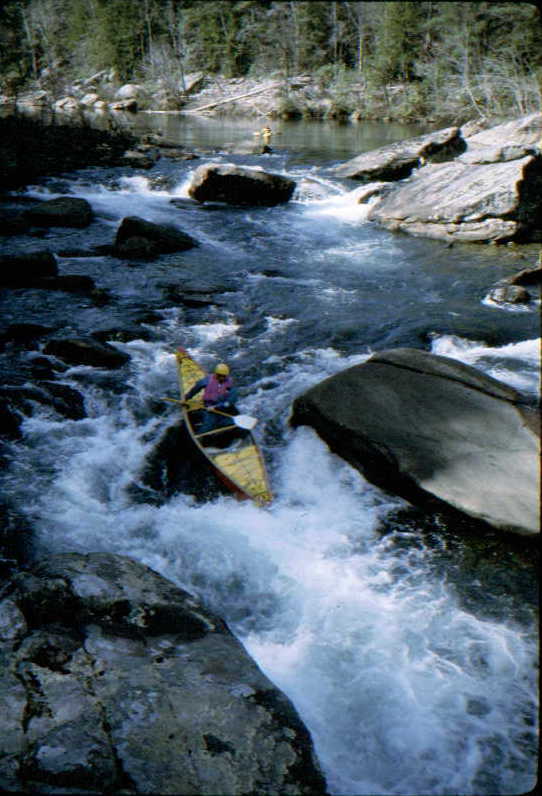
column 402, row 688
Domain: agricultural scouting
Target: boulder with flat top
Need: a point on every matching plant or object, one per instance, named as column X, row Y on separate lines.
column 490, row 192
column 436, row 432
column 398, row 160
column 239, row 185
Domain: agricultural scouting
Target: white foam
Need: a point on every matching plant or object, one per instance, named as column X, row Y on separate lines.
column 379, row 659
column 517, row 364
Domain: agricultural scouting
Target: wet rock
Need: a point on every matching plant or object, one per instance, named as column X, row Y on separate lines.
column 397, row 161
column 43, row 368
column 13, row 222
column 122, row 335
column 23, row 270
column 86, row 351
column 19, row 401
column 434, row 431
column 25, row 333
column 176, row 154
column 142, row 239
column 239, row 185
column 70, row 283
column 527, row 276
column 509, row 294
column 65, row 211
column 139, row 160
column 65, row 400
column 513, row 289
column 177, row 295
column 117, row 681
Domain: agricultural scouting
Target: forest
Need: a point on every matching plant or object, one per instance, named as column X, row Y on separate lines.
column 444, row 55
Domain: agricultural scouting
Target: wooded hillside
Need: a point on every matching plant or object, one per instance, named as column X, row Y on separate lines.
column 484, row 55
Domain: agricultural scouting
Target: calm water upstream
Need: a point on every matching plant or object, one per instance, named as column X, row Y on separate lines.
column 406, row 687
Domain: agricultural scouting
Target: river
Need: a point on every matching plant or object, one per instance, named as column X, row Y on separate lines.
column 413, row 675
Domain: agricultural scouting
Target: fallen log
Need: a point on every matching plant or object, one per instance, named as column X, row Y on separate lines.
column 231, row 99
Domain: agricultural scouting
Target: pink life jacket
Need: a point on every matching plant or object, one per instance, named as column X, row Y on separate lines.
column 215, row 391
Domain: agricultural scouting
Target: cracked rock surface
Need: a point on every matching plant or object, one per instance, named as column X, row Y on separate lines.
column 112, row 679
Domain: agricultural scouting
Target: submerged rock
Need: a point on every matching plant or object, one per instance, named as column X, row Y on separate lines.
column 86, row 351
column 25, row 270
column 145, row 240
column 435, row 432
column 65, row 211
column 239, row 185
column 115, row 680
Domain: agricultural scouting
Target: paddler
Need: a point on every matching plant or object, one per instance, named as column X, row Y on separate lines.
column 266, row 135
column 218, row 393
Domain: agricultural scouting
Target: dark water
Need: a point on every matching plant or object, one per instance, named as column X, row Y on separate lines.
column 412, row 665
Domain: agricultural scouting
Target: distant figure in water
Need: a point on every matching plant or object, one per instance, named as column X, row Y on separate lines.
column 265, row 134
column 219, row 393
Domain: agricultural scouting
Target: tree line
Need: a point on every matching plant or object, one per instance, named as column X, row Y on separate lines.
column 489, row 53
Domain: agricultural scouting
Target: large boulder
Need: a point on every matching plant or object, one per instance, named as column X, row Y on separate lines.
column 396, row 161
column 239, row 185
column 65, row 211
column 434, row 431
column 460, row 201
column 113, row 680
column 25, row 270
column 483, row 188
column 145, row 240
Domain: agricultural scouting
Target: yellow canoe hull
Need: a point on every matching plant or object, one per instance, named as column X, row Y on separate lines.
column 241, row 468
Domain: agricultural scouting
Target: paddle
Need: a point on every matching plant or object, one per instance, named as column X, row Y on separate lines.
column 243, row 421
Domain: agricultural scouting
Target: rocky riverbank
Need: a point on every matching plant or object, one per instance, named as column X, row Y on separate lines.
column 114, row 680
column 273, row 97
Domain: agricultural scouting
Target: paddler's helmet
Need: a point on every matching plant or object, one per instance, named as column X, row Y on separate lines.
column 222, row 370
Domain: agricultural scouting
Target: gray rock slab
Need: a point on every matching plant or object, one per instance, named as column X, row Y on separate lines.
column 396, row 161
column 424, row 426
column 464, row 201
column 115, row 680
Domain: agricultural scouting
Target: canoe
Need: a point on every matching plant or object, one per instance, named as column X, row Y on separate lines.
column 232, row 453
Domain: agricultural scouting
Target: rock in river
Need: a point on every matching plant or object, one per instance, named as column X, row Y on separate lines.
column 65, row 211
column 143, row 239
column 85, row 351
column 395, row 161
column 484, row 188
column 238, row 185
column 114, row 680
column 434, row 431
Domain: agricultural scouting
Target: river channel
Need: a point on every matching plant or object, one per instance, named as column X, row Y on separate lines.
column 414, row 671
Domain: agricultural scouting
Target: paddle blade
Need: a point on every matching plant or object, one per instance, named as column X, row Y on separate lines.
column 245, row 421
